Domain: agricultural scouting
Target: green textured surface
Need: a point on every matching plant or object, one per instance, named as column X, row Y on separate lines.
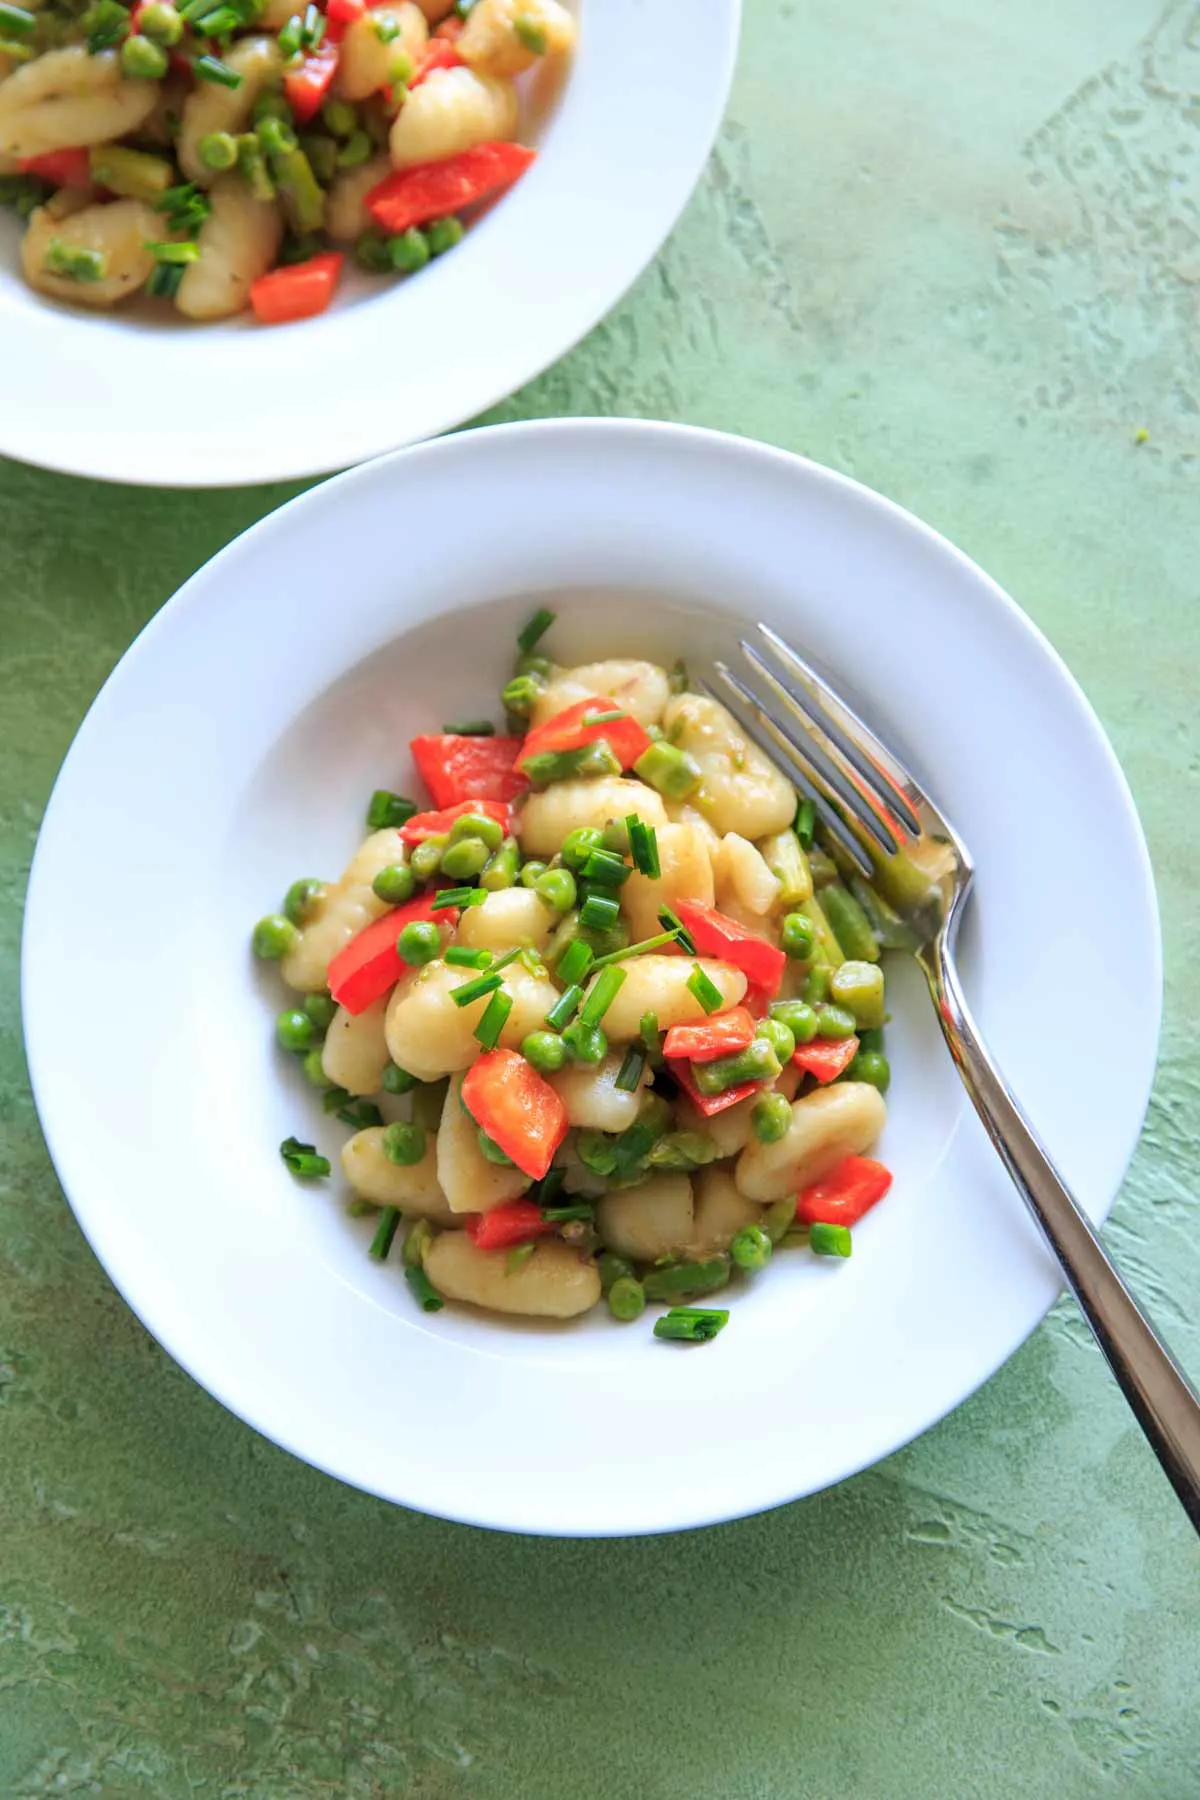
column 953, row 251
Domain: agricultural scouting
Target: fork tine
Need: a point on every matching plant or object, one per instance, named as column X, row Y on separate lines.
column 807, row 763
column 892, row 784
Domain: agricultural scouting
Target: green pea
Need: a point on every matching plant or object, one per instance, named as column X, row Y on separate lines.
column 532, row 872
column 626, row 1299
column 397, row 1080
column 502, row 866
column 797, row 937
column 314, row 1069
column 579, row 844
column 751, row 1247
column 426, row 858
column 371, row 253
column 419, row 942
column 613, row 1268
column 858, row 986
column 770, row 1118
column 780, row 1038
column 587, row 1044
column 557, row 888
column 395, row 884
column 544, row 1051
column 321, row 1010
column 161, row 23
column 409, row 251
column 477, row 825
column 271, row 106
column 273, row 937
column 299, row 903
column 340, row 118
column 404, row 1145
column 870, row 1038
column 466, row 859
column 295, row 1031
column 834, row 1022
column 799, row 1018
column 142, row 59
column 443, row 234
column 873, row 1067
column 355, row 151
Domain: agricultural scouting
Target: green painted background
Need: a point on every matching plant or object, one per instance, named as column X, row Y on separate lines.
column 953, row 250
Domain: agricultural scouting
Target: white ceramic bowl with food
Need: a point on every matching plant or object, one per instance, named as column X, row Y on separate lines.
column 139, row 394
column 231, row 751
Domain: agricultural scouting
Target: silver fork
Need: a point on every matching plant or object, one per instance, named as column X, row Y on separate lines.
column 874, row 807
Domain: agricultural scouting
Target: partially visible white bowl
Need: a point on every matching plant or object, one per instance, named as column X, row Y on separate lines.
column 171, row 403
column 232, row 750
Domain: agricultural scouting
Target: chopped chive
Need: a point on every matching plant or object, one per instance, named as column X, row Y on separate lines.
column 474, row 990
column 423, row 1290
column 563, row 1215
column 220, row 22
column 606, row 868
column 16, row 22
column 564, row 1007
column 575, row 962
column 672, row 922
column 691, row 1324
column 829, row 1240
column 171, row 252
column 806, row 823
column 631, row 1070
column 471, row 728
column 302, row 1159
column 543, row 1192
column 643, row 847
column 651, row 1039
column 654, row 943
column 598, row 913
column 385, row 1231
column 211, row 68
column 535, row 629
column 360, row 1114
column 495, row 1017
column 459, row 896
column 165, row 281
column 387, row 808
column 334, row 1098
column 517, row 1257
column 604, row 718
column 459, row 957
column 705, row 990
column 608, row 985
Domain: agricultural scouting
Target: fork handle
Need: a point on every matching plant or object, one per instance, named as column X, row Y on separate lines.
column 1165, row 1405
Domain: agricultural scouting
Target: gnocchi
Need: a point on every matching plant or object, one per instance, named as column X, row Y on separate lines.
column 237, row 244
column 115, row 233
column 451, row 111
column 342, row 910
column 556, row 1282
column 546, row 818
column 411, row 1189
column 469, row 1181
column 740, row 790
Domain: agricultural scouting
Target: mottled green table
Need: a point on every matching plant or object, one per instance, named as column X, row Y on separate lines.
column 952, row 250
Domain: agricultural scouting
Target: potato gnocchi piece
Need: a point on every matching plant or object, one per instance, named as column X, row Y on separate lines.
column 554, row 1283
column 686, row 875
column 342, row 910
column 592, row 1098
column 832, row 1122
column 452, row 110
column 346, row 215
column 429, row 1035
column 210, row 107
column 641, row 688
column 741, row 875
column 546, row 818
column 720, row 1213
column 469, row 1181
column 67, row 98
column 367, row 61
column 506, row 37
column 511, row 916
column 117, row 232
column 355, row 1053
column 659, row 984
column 414, row 1189
column 237, row 243
column 741, row 790
column 730, row 1130
column 650, row 1220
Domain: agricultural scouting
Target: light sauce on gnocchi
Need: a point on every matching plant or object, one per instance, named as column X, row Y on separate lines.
column 605, row 1021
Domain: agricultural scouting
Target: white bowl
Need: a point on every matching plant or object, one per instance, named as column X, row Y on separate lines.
column 171, row 403
column 232, row 750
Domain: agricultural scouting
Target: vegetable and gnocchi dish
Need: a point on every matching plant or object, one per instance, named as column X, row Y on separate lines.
column 606, row 1018
column 225, row 154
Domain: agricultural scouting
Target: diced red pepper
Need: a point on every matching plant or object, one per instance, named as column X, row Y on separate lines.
column 439, row 53
column 434, row 190
column 296, row 291
column 450, row 29
column 432, row 824
column 826, row 1058
column 340, row 15
column 516, row 1222
column 454, row 767
column 566, row 731
column 65, row 168
column 716, row 935
column 305, row 88
column 719, row 1035
column 364, row 969
column 710, row 1104
column 851, row 1188
column 517, row 1108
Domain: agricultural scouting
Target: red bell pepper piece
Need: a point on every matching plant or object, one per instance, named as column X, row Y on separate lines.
column 710, row 1104
column 567, row 731
column 297, row 291
column 434, row 190
column 340, row 15
column 826, row 1058
column 364, row 969
column 439, row 53
column 65, row 168
column 716, row 935
column 431, row 824
column 516, row 1222
column 719, row 1035
column 851, row 1188
column 451, row 29
column 305, row 88
column 517, row 1108
column 456, row 768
